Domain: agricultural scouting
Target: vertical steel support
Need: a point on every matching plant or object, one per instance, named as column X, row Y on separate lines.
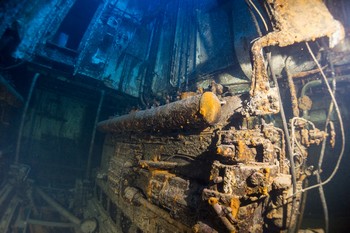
column 19, row 139
column 88, row 166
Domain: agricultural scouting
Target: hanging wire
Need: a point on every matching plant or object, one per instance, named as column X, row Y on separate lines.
column 341, row 125
column 289, row 147
column 320, row 161
column 251, row 3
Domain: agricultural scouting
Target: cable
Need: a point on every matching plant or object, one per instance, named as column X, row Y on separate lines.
column 341, row 125
column 323, row 202
column 320, row 161
column 259, row 13
column 255, row 21
column 289, row 148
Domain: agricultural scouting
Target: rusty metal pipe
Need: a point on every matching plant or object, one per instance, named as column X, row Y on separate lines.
column 221, row 214
column 195, row 112
column 158, row 164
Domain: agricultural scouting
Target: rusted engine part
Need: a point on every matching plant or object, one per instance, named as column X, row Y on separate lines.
column 167, row 167
column 293, row 93
column 174, row 144
column 281, row 212
column 260, row 147
column 174, row 149
column 294, row 21
column 130, row 211
column 201, row 227
column 303, row 134
column 241, row 191
column 140, row 161
column 175, row 153
column 155, row 164
column 134, row 196
column 164, row 165
column 194, row 112
column 264, row 144
column 171, row 192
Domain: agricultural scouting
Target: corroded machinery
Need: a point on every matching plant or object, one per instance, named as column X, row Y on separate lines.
column 212, row 163
column 214, row 115
column 231, row 176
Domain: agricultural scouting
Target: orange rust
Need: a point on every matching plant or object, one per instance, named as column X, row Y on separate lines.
column 293, row 95
column 241, row 149
column 144, row 165
column 185, row 95
column 264, row 191
column 200, row 90
column 196, row 228
column 213, row 201
column 155, row 158
column 210, row 107
column 253, row 142
column 162, row 172
column 220, row 151
column 153, row 173
column 224, row 151
column 235, row 203
column 303, row 74
column 305, row 103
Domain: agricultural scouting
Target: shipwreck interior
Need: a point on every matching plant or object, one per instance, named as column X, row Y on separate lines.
column 196, row 116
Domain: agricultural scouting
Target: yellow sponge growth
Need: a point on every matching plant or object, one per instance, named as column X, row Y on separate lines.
column 210, row 107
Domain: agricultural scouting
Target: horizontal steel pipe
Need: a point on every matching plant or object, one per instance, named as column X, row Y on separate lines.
column 194, row 112
column 50, row 224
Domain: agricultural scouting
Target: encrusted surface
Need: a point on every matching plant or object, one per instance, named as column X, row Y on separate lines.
column 294, row 21
column 197, row 111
